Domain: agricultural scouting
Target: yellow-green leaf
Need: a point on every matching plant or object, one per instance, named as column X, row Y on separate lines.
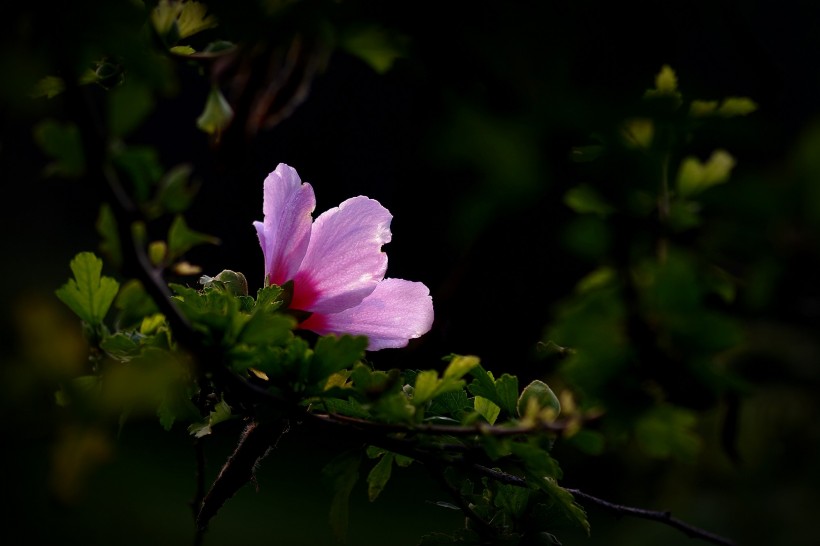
column 88, row 294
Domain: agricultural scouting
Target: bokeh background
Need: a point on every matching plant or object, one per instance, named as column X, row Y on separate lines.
column 466, row 138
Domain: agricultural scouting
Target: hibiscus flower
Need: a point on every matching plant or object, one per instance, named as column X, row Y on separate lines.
column 337, row 265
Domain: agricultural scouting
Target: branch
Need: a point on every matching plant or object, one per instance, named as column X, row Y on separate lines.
column 370, row 434
column 443, row 430
column 662, row 517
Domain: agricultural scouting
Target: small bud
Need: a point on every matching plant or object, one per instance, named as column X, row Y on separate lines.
column 537, row 396
column 217, row 114
column 232, row 282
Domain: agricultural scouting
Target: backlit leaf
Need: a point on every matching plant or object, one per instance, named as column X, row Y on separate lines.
column 88, row 294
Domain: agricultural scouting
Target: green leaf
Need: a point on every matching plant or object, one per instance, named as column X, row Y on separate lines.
column 583, row 199
column 375, row 46
column 120, row 346
column 486, row 408
column 181, row 238
column 667, row 431
column 332, row 354
column 695, row 177
column 512, row 499
column 175, row 192
column 133, row 303
column 459, row 366
column 450, row 403
column 379, row 476
column 182, row 50
column 638, row 132
column 736, row 106
column 268, row 329
column 702, row 108
column 425, row 387
column 141, row 165
column 666, row 81
column 342, row 473
column 542, row 395
column 564, row 502
column 61, row 141
column 107, row 228
column 666, row 86
column 217, row 114
column 193, row 18
column 88, row 294
column 128, row 105
column 49, row 87
column 507, row 388
column 220, row 414
column 483, row 385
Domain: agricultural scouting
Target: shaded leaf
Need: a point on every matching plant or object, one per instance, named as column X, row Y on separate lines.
column 379, row 476
column 342, row 473
column 181, row 238
column 61, row 142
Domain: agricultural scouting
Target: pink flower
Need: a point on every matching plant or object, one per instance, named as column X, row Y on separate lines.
column 337, row 266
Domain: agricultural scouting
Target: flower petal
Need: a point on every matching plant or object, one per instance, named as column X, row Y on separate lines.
column 394, row 313
column 285, row 232
column 344, row 261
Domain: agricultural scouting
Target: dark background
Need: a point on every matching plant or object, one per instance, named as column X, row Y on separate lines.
column 466, row 141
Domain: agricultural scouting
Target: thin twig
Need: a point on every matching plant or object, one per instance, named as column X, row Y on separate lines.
column 662, row 517
column 445, row 430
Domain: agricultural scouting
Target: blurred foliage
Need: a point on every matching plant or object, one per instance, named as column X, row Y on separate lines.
column 605, row 217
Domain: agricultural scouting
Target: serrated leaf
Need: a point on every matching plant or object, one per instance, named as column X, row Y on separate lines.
column 666, row 81
column 349, row 407
column 459, row 366
column 507, row 388
column 181, row 238
column 512, row 499
column 565, row 502
column 220, row 414
column 120, row 345
column 483, row 384
column 450, row 403
column 666, row 85
column 379, row 476
column 61, row 142
column 342, row 473
column 695, row 177
column 193, row 18
column 332, row 354
column 267, row 328
column 425, row 387
column 88, row 294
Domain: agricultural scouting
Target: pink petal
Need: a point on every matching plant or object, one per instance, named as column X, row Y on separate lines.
column 344, row 261
column 285, row 232
column 394, row 313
